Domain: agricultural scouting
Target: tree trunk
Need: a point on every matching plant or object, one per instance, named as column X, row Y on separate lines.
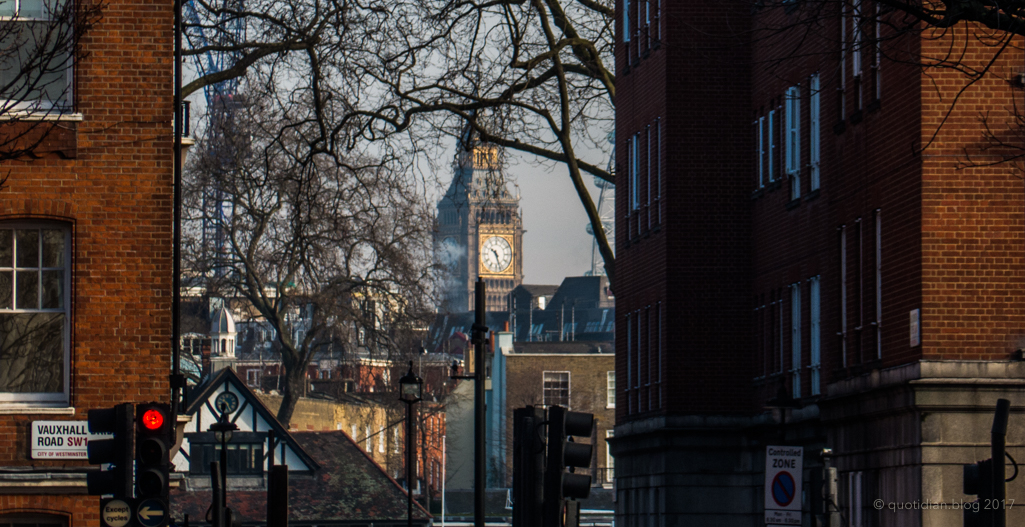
column 294, row 383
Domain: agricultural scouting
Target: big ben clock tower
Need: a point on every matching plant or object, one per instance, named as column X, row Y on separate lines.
column 480, row 231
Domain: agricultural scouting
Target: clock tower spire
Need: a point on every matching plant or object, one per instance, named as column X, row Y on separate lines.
column 480, row 231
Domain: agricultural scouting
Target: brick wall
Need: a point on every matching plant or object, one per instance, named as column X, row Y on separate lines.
column 588, row 390
column 695, row 258
column 973, row 300
column 116, row 195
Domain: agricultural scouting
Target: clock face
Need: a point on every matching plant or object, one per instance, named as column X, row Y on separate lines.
column 226, row 403
column 496, row 254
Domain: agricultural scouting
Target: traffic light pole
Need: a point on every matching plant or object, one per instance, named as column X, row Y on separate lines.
column 997, row 438
column 479, row 335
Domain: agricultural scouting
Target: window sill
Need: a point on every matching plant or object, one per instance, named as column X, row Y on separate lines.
column 28, row 410
column 42, row 116
column 856, row 117
column 812, row 195
column 839, row 127
column 794, row 203
column 758, row 193
column 873, row 106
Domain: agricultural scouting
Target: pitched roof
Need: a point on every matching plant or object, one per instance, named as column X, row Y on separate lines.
column 251, row 415
column 348, row 488
column 537, row 290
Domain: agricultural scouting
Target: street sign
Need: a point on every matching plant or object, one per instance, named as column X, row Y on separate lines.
column 152, row 513
column 783, row 471
column 61, row 439
column 115, row 513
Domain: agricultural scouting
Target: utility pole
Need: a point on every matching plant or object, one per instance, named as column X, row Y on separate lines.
column 479, row 335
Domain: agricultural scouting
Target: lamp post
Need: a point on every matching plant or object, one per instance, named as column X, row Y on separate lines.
column 410, row 391
column 222, row 430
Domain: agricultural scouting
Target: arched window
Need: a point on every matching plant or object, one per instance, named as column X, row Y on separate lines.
column 32, row 520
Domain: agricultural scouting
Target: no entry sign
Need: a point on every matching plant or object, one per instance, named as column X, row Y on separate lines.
column 783, row 469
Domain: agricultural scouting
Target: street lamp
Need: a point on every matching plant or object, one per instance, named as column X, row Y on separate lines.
column 222, row 430
column 410, row 391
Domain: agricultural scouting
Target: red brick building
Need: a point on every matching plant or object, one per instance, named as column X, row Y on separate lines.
column 85, row 255
column 813, row 226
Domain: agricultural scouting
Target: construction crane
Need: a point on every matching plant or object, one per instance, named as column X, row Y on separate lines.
column 216, row 38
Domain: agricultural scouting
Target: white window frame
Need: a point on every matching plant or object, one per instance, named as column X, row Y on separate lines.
column 629, row 353
column 635, row 171
column 647, row 150
column 640, row 351
column 626, row 23
column 253, row 378
column 854, row 498
column 610, row 389
column 370, row 440
column 878, row 52
column 42, row 108
column 396, row 439
column 380, row 440
column 843, row 66
column 658, row 164
column 760, row 152
column 857, row 37
column 814, row 130
column 843, row 295
column 544, row 388
column 793, row 140
column 41, row 399
column 815, row 293
column 795, row 338
column 610, row 460
column 879, row 283
column 658, row 348
column 770, row 165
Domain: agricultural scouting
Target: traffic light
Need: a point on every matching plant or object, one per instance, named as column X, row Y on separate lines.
column 986, row 478
column 153, row 439
column 563, row 453
column 978, row 480
column 528, row 466
column 116, row 451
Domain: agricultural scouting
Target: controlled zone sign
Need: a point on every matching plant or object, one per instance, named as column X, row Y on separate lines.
column 783, row 469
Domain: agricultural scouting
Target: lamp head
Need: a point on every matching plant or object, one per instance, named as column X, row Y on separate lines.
column 410, row 386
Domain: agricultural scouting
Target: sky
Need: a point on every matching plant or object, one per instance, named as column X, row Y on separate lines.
column 555, row 244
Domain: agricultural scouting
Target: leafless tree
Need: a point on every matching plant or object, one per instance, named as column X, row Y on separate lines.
column 533, row 76
column 529, row 76
column 319, row 246
column 40, row 41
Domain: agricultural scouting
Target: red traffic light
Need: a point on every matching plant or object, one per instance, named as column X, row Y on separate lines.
column 153, row 419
